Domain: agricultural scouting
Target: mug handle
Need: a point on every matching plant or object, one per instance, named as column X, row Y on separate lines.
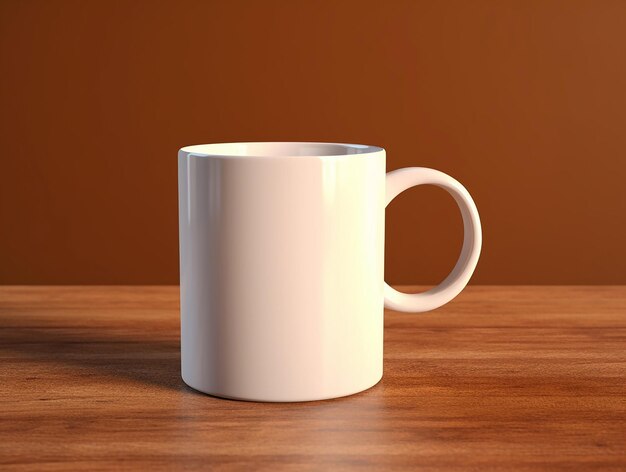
column 402, row 179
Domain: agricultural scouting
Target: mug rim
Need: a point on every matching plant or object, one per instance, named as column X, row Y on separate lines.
column 278, row 149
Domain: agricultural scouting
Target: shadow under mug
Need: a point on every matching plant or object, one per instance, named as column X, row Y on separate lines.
column 282, row 266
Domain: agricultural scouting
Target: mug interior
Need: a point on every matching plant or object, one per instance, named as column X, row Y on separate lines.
column 279, row 149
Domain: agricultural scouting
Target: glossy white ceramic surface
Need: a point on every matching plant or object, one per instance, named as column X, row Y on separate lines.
column 281, row 258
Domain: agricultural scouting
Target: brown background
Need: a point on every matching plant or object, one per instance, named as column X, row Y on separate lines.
column 523, row 102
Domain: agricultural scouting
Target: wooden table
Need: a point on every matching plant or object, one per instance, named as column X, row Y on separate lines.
column 509, row 378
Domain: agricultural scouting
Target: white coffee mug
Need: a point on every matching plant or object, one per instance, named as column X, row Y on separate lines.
column 281, row 266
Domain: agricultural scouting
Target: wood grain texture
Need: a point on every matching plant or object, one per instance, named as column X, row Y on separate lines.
column 503, row 378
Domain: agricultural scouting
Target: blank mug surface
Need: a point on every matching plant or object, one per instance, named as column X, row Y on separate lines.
column 281, row 263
